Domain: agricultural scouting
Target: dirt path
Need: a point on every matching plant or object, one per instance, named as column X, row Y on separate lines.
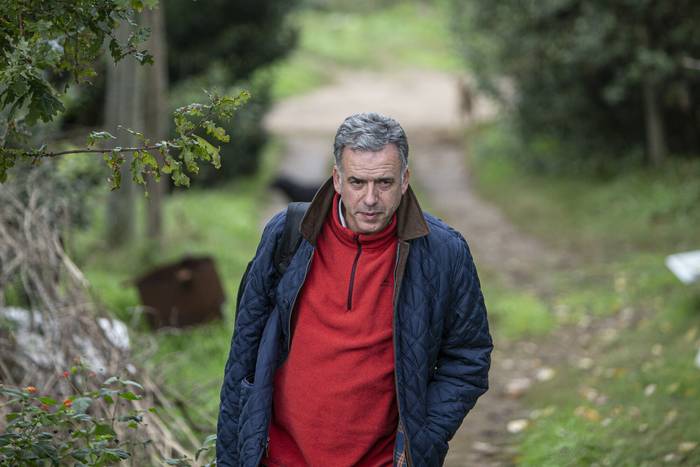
column 427, row 105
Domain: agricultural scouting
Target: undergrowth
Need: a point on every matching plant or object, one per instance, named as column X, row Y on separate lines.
column 633, row 400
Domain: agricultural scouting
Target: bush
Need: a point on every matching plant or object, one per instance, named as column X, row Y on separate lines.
column 587, row 74
column 43, row 429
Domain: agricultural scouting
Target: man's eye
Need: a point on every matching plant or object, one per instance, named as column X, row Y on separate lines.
column 356, row 182
column 385, row 183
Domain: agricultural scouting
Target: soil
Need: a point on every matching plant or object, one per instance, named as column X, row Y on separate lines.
column 428, row 106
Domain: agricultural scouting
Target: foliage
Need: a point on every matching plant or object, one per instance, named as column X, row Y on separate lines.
column 240, row 35
column 633, row 403
column 39, row 42
column 64, row 39
column 241, row 156
column 41, row 429
column 91, row 427
column 631, row 398
column 225, row 46
column 642, row 209
column 578, row 69
column 514, row 314
column 188, row 147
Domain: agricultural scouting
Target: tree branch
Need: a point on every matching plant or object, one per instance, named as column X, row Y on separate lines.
column 101, row 151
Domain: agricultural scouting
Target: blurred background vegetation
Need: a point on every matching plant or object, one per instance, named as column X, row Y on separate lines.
column 596, row 151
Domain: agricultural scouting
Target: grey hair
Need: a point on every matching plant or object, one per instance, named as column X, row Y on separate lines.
column 370, row 132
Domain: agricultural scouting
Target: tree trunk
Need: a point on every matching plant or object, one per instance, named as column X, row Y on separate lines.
column 656, row 139
column 155, row 108
column 123, row 108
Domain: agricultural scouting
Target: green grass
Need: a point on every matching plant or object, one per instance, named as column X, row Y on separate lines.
column 405, row 35
column 638, row 403
column 642, row 209
column 515, row 314
column 634, row 407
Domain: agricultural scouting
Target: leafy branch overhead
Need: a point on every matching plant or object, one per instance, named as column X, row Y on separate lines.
column 42, row 46
column 63, row 40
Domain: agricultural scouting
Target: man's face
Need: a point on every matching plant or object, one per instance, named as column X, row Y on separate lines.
column 371, row 187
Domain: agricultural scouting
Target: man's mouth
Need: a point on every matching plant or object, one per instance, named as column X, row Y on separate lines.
column 370, row 215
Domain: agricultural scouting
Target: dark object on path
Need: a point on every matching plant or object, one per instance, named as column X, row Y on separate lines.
column 182, row 294
column 295, row 191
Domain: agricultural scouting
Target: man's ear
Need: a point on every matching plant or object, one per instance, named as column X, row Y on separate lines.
column 404, row 182
column 337, row 179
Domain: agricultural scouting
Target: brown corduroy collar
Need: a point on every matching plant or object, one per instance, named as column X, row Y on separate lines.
column 410, row 221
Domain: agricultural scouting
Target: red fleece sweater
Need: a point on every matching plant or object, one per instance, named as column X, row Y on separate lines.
column 334, row 397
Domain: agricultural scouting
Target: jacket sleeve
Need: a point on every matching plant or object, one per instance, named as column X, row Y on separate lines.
column 255, row 306
column 461, row 373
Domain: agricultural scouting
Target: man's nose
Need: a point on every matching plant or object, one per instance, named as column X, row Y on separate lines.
column 371, row 195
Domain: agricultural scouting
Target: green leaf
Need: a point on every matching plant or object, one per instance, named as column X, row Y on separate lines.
column 81, row 455
column 133, row 383
column 7, row 161
column 99, row 135
column 117, row 454
column 81, row 417
column 128, row 395
column 211, row 150
column 110, row 380
column 12, row 416
column 11, row 391
column 137, row 168
column 216, row 131
column 81, row 404
column 47, row 400
column 102, row 429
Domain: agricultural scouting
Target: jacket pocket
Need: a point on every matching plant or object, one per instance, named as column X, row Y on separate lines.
column 244, row 392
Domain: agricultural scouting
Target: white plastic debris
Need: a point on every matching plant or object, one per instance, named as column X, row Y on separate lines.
column 32, row 343
column 686, row 266
column 115, row 331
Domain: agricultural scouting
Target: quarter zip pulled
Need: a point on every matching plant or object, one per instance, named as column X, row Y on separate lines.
column 351, row 285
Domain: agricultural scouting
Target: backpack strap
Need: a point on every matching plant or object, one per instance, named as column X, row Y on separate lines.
column 287, row 246
column 291, row 236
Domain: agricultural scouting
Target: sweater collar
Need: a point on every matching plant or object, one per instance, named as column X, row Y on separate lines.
column 410, row 222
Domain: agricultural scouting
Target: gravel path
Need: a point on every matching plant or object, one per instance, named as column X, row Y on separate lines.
column 427, row 105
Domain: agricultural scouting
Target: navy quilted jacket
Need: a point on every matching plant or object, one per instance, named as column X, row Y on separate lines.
column 442, row 344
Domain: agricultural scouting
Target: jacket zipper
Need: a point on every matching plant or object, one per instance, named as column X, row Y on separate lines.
column 294, row 302
column 352, row 274
column 407, row 449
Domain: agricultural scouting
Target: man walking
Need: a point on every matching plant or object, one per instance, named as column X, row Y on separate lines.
column 374, row 344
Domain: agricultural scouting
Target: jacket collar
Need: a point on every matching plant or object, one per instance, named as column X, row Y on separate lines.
column 411, row 223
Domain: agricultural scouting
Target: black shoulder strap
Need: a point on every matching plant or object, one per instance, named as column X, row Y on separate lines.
column 287, row 246
column 291, row 236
